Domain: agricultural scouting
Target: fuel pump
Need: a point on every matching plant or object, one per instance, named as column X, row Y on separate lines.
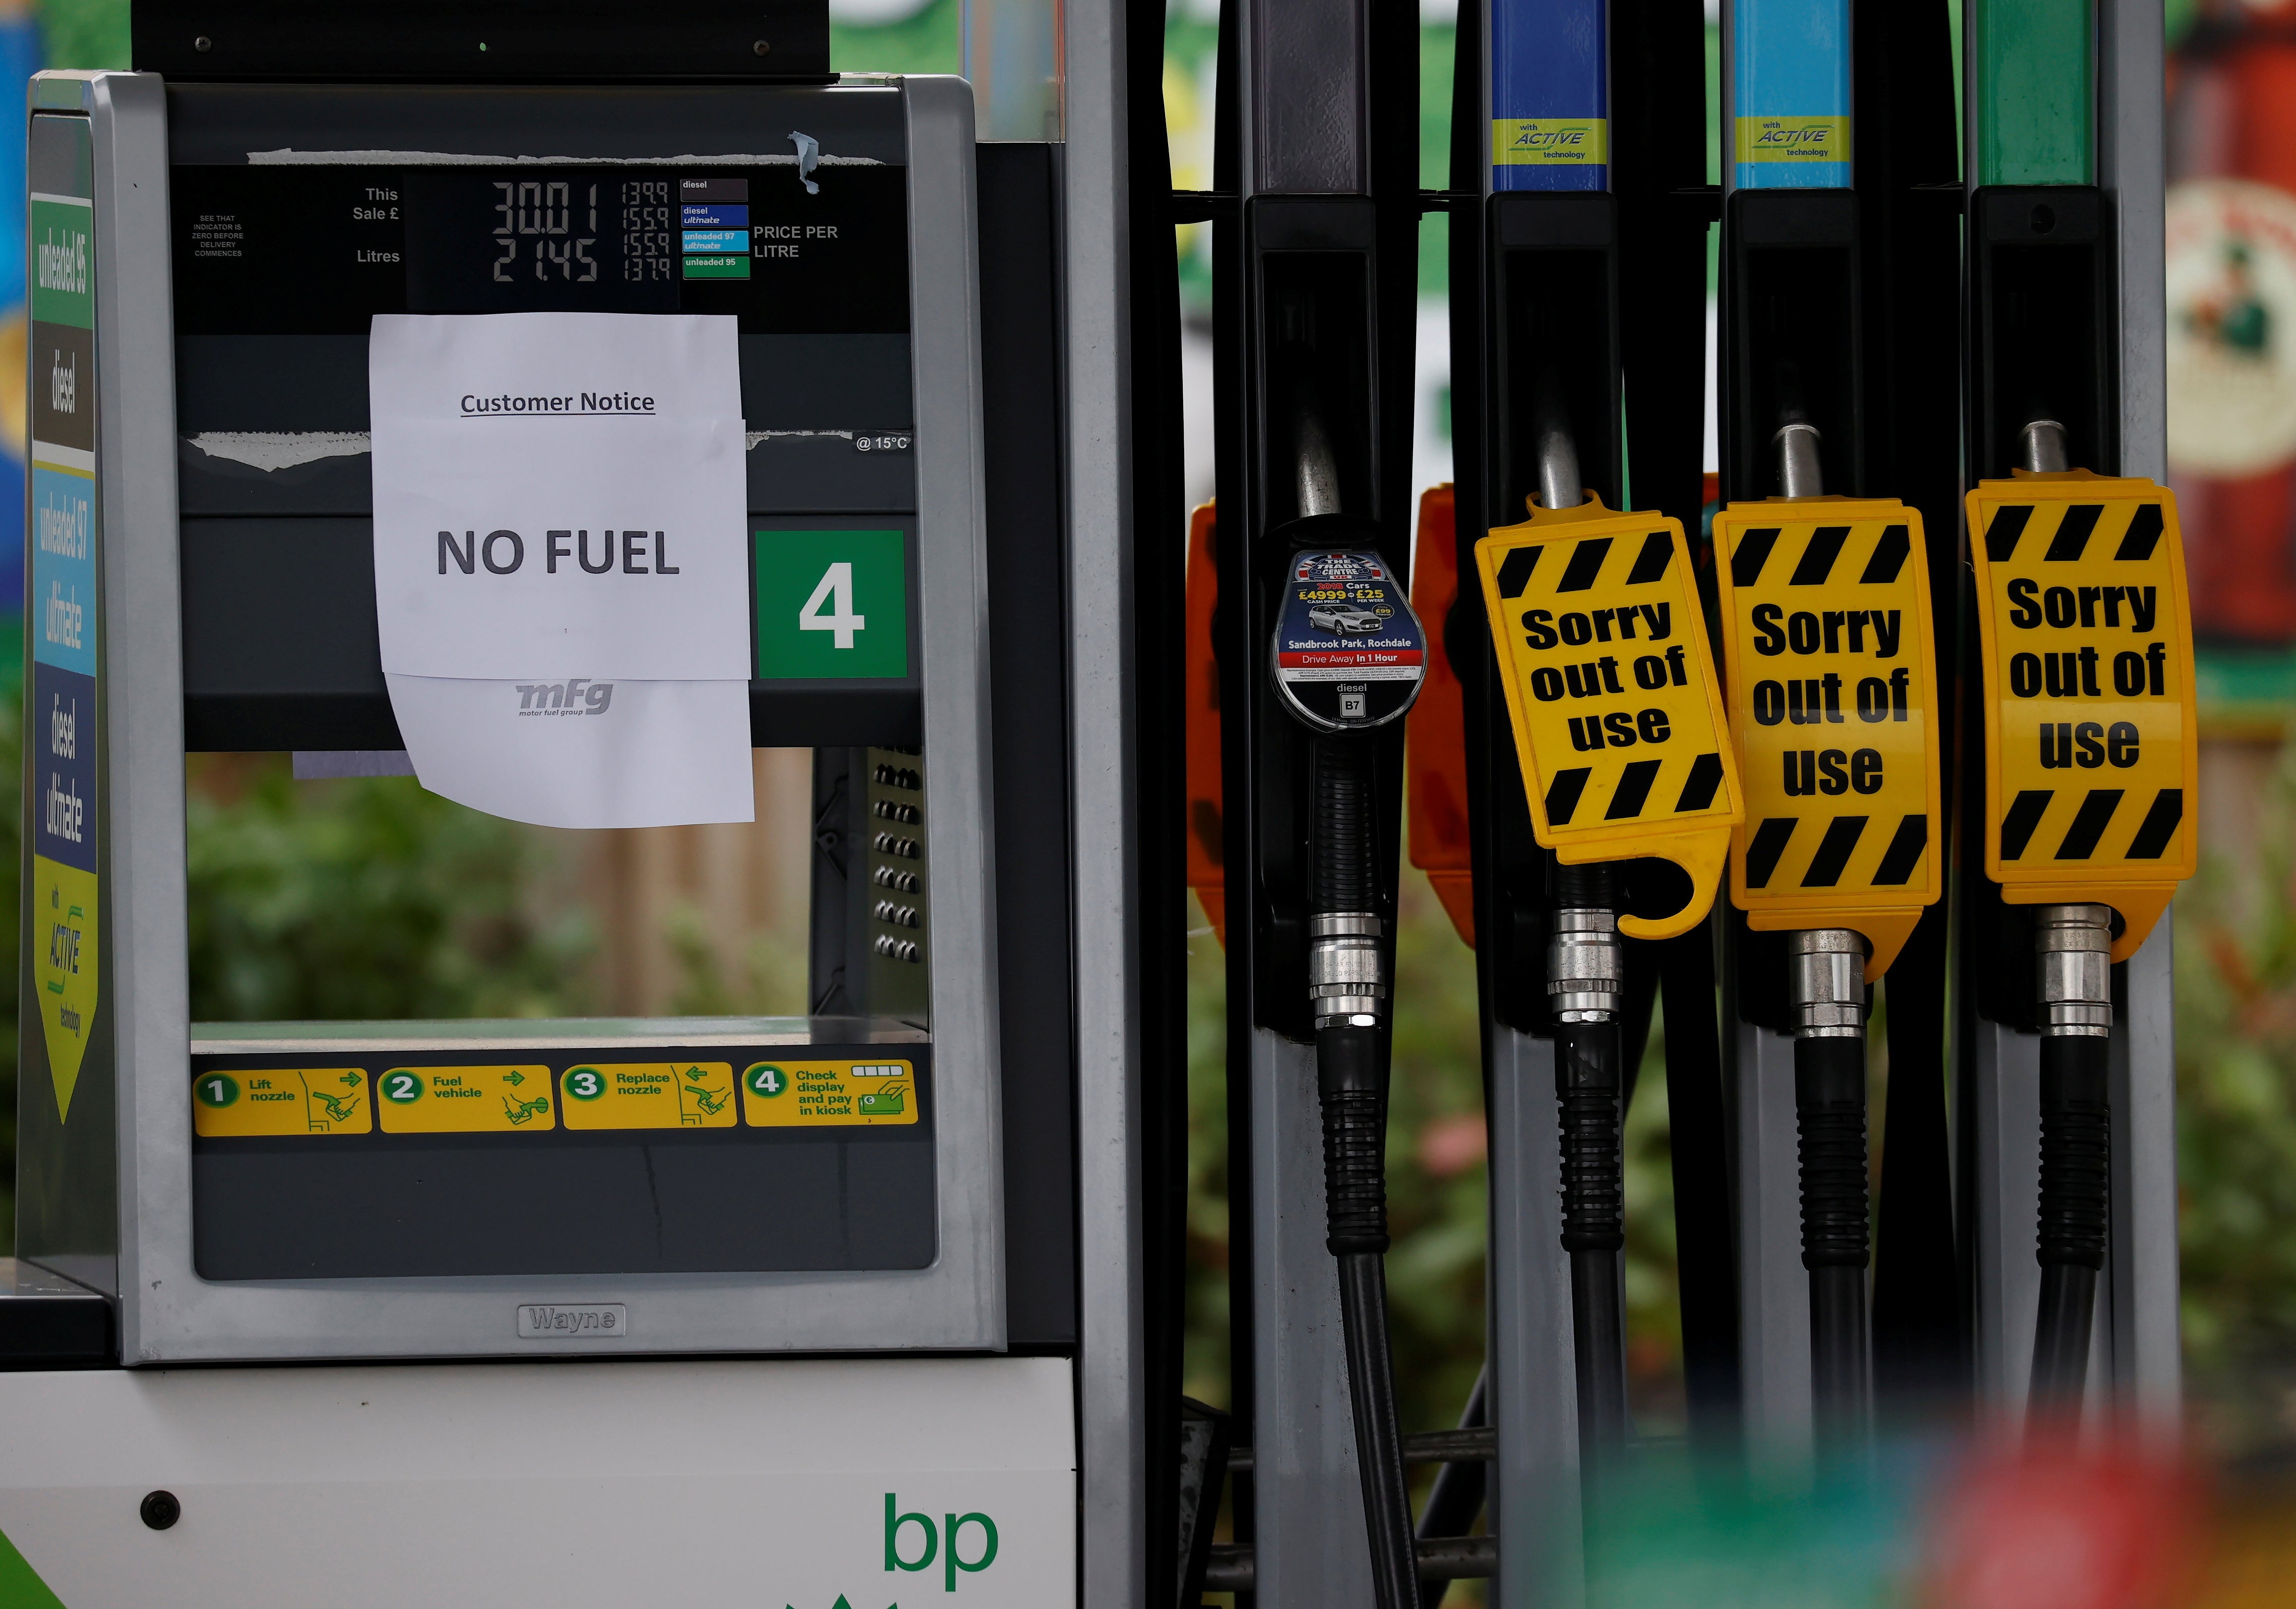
column 1792, row 423
column 2086, row 641
column 2087, row 746
column 1620, row 737
column 772, row 1240
column 1574, row 200
column 1839, row 851
column 1836, row 378
column 1315, row 229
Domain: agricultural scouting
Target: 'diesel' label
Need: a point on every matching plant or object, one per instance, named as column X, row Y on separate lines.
column 1826, row 638
column 1349, row 652
column 1611, row 690
column 2091, row 757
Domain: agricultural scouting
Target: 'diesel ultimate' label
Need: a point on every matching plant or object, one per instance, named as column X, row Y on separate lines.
column 1349, row 652
column 63, row 733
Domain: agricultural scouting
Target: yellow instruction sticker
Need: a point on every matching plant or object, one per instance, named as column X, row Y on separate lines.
column 239, row 1103
column 465, row 1100
column 1826, row 638
column 1611, row 690
column 649, row 1095
column 828, row 1094
column 2091, row 747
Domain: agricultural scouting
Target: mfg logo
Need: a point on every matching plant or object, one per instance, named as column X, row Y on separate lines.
column 580, row 696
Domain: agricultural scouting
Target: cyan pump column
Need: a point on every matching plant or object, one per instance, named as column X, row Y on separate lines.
column 1788, row 357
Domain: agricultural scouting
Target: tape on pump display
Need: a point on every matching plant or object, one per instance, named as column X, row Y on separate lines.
column 1611, row 692
column 2092, row 757
column 1833, row 693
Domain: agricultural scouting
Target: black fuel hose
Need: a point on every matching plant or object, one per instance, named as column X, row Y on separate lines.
column 1588, row 1089
column 1829, row 1106
column 2075, row 1206
column 1351, row 1073
column 1593, row 1225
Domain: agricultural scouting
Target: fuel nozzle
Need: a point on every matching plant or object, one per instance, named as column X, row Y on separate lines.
column 1347, row 658
column 2041, row 447
column 2096, row 867
column 2073, row 960
column 1800, row 472
column 1826, row 992
column 1560, row 485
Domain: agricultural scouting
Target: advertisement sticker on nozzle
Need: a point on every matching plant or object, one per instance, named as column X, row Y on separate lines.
column 1349, row 653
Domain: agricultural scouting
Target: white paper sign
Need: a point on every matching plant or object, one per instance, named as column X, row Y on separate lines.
column 561, row 579
column 560, row 494
column 581, row 753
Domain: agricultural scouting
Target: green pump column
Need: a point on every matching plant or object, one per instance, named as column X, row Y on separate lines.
column 2032, row 100
column 2065, row 321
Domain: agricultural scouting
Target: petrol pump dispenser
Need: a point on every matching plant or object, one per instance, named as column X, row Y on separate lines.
column 1577, row 241
column 887, row 1184
column 2095, row 678
column 1621, row 739
column 1792, row 406
column 2087, row 745
column 1314, row 262
column 1833, row 379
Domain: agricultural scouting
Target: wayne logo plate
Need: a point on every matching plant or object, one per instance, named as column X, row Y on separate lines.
column 2091, row 749
column 1826, row 641
column 1610, row 689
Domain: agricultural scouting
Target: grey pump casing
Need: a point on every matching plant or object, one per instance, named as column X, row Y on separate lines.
column 166, row 1311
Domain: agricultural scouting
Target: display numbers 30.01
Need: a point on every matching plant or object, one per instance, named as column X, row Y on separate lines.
column 543, row 211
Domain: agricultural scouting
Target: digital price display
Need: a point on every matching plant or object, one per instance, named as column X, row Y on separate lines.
column 564, row 240
column 323, row 248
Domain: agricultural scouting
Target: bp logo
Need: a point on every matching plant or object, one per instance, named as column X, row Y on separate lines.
column 2232, row 327
column 914, row 1543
